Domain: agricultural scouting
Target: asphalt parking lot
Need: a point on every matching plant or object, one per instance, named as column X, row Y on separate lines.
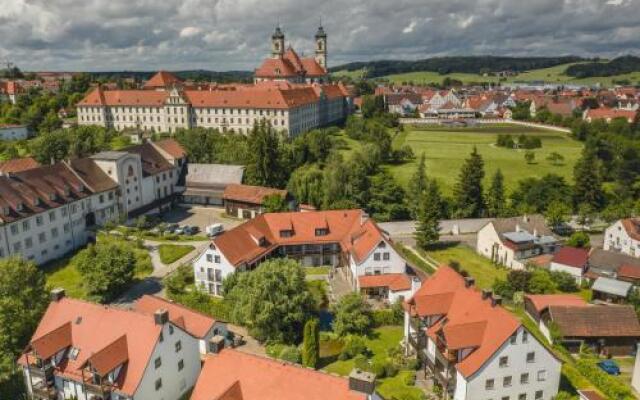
column 200, row 217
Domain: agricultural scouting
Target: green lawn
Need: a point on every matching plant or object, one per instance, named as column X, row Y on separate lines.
column 317, row 270
column 170, row 253
column 447, row 148
column 64, row 273
column 397, row 388
column 550, row 75
column 484, row 272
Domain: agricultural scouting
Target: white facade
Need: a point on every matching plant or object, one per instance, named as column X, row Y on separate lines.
column 14, row 132
column 54, row 233
column 576, row 273
column 616, row 238
column 383, row 259
column 530, row 370
column 490, row 246
column 210, row 269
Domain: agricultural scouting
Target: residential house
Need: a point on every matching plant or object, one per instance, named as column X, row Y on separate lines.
column 345, row 240
column 402, row 103
column 624, row 236
column 206, row 183
column 606, row 329
column 235, row 375
column 209, row 332
column 472, row 347
column 537, row 305
column 245, row 201
column 513, row 242
column 609, row 264
column 572, row 260
column 611, row 290
column 91, row 351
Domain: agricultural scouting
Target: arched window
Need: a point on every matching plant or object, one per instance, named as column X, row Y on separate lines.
column 130, row 171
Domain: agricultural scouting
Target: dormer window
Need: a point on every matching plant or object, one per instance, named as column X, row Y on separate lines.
column 19, row 207
column 286, row 233
column 322, row 231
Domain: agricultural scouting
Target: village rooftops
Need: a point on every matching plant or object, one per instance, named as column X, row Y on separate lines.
column 196, row 324
column 612, row 286
column 250, row 194
column 572, row 257
column 234, row 375
column 595, row 321
column 632, row 226
column 542, row 302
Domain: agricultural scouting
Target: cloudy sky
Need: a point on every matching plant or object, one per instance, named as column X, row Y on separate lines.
column 99, row 35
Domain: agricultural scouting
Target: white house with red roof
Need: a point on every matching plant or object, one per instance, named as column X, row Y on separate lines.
column 472, row 347
column 90, row 351
column 345, row 240
column 572, row 260
column 207, row 330
column 624, row 237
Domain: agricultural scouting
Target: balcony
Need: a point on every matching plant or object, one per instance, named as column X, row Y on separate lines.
column 45, row 372
column 42, row 391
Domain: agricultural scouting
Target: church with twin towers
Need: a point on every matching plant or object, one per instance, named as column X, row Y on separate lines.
column 286, row 65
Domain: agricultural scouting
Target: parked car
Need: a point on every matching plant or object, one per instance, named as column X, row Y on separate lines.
column 191, row 230
column 181, row 230
column 610, row 367
column 214, row 230
column 171, row 228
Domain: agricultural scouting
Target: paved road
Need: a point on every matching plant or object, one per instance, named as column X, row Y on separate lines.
column 153, row 283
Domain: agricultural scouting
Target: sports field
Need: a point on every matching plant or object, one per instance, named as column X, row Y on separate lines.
column 446, row 148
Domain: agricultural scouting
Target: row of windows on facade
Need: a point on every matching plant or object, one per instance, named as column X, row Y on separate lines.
column 508, row 380
column 215, row 111
column 177, row 120
column 17, row 246
column 539, row 395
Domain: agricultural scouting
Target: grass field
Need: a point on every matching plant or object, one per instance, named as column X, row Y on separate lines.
column 170, row 252
column 446, row 149
column 550, row 75
column 484, row 272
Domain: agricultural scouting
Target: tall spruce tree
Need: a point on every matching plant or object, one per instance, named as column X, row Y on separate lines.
column 588, row 181
column 264, row 167
column 428, row 228
column 311, row 344
column 468, row 196
column 416, row 187
column 496, row 200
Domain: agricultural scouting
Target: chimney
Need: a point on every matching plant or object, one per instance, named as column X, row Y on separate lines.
column 57, row 294
column 496, row 300
column 362, row 381
column 469, row 281
column 161, row 316
column 486, row 293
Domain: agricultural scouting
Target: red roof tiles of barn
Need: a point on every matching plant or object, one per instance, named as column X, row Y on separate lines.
column 571, row 256
column 172, row 147
column 233, row 375
column 544, row 301
column 250, row 194
column 18, row 164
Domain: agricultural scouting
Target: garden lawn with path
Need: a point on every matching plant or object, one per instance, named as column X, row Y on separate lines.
column 379, row 343
column 446, row 148
column 480, row 268
column 170, row 253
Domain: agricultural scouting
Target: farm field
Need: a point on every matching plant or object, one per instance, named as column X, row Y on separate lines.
column 446, row 149
column 549, row 75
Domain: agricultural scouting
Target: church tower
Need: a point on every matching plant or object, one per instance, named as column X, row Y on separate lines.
column 321, row 47
column 277, row 43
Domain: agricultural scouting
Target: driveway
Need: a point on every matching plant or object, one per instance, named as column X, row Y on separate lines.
column 200, row 217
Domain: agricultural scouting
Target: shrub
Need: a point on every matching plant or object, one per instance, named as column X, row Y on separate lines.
column 361, row 362
column 353, row 346
column 291, row 354
column 413, row 364
column 378, row 367
column 352, row 315
column 389, row 316
column 612, row 387
column 390, row 369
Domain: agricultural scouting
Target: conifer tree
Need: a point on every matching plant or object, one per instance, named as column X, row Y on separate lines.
column 311, row 344
column 468, row 196
column 428, row 228
column 496, row 201
column 416, row 187
column 587, row 190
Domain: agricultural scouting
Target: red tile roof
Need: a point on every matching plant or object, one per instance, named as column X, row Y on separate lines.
column 395, row 282
column 468, row 320
column 629, row 271
column 610, row 113
column 250, row 194
column 572, row 257
column 596, row 321
column 110, row 357
column 172, row 147
column 162, row 79
column 632, row 226
column 18, row 164
column 52, row 342
column 234, row 375
column 95, row 327
column 196, row 324
column 290, row 66
column 345, row 227
column 542, row 301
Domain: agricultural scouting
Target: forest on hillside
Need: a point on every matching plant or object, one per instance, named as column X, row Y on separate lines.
column 446, row 65
column 617, row 66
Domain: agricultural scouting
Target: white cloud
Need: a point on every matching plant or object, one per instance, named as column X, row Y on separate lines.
column 235, row 34
column 190, row 31
column 409, row 28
